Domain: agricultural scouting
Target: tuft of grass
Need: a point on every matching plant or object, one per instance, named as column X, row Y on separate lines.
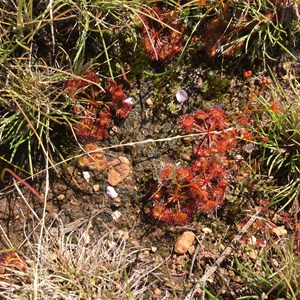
column 73, row 266
column 258, row 29
column 31, row 107
column 281, row 150
column 269, row 27
column 274, row 276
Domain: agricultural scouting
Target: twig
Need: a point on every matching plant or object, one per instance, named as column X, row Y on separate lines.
column 130, row 144
column 193, row 260
column 224, row 254
column 26, row 202
column 48, row 207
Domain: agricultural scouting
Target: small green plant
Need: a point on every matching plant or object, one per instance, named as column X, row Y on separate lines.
column 276, row 277
column 281, row 147
column 214, row 86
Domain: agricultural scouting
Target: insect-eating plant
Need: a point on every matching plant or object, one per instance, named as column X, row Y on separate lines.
column 96, row 109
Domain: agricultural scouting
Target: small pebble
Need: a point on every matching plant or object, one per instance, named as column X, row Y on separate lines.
column 117, row 200
column 206, row 230
column 249, row 147
column 153, row 249
column 86, row 175
column 149, row 102
column 115, row 129
column 61, row 197
column 128, row 101
column 96, row 187
column 184, row 242
column 116, row 215
column 111, row 192
column 157, row 292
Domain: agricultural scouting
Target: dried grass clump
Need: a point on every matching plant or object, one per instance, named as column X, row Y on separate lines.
column 75, row 267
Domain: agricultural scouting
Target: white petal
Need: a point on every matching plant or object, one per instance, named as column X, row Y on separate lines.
column 111, row 192
column 128, row 101
column 181, row 95
column 249, row 147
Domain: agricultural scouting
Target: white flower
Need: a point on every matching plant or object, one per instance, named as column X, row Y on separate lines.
column 128, row 101
column 181, row 95
column 111, row 192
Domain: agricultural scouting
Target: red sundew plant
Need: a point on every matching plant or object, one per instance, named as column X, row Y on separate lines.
column 10, row 263
column 200, row 187
column 95, row 109
column 184, row 191
column 269, row 229
column 162, row 43
column 93, row 161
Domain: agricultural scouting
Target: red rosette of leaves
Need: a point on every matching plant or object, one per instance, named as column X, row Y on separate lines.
column 12, row 267
column 119, row 104
column 94, row 109
column 183, row 191
column 162, row 34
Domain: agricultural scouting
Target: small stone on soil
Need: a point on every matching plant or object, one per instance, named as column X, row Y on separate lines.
column 117, row 200
column 96, row 187
column 206, row 230
column 111, row 192
column 153, row 249
column 149, row 102
column 115, row 129
column 60, row 197
column 157, row 292
column 184, row 242
column 119, row 169
column 86, row 175
column 116, row 215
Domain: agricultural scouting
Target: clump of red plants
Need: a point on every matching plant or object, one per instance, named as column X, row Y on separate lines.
column 96, row 109
column 183, row 191
column 162, row 34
